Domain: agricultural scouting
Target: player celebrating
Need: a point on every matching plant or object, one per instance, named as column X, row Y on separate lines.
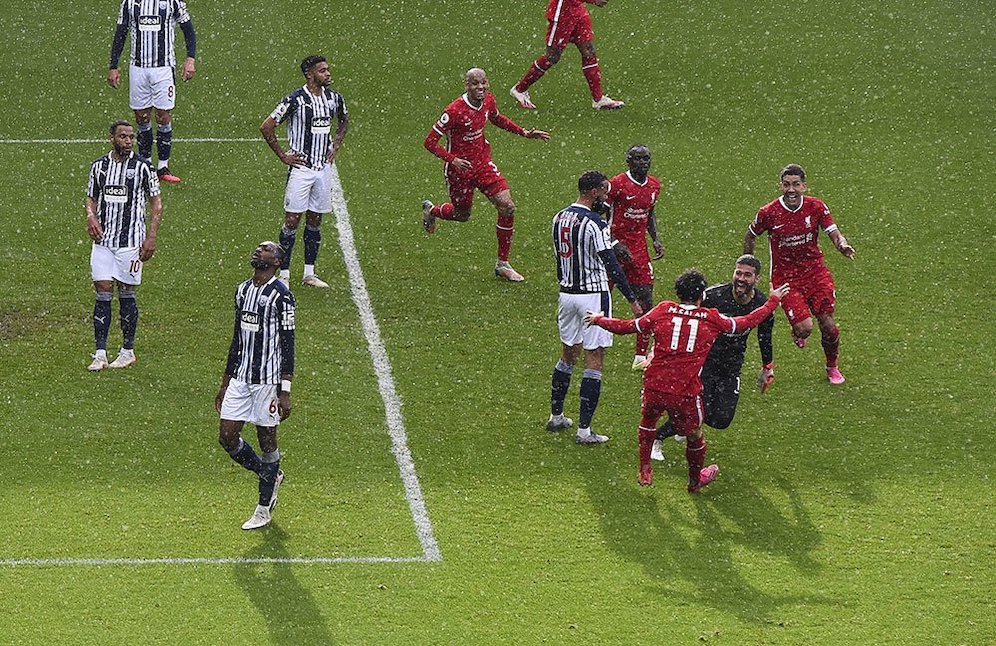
column 151, row 77
column 120, row 184
column 585, row 259
column 632, row 197
column 568, row 22
column 721, row 371
column 469, row 166
column 257, row 381
column 792, row 223
column 309, row 111
column 685, row 333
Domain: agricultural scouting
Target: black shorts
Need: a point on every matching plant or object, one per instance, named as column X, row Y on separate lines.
column 720, row 394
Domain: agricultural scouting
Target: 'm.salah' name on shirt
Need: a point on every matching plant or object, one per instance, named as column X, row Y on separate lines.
column 678, row 309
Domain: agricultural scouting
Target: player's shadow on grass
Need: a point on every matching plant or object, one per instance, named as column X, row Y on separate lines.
column 689, row 542
column 290, row 612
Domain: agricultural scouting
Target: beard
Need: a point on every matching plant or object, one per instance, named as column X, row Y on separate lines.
column 597, row 206
column 259, row 263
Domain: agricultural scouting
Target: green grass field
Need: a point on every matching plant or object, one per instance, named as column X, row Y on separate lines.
column 856, row 515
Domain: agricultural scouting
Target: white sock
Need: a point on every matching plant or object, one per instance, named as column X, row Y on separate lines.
column 101, row 354
column 309, row 270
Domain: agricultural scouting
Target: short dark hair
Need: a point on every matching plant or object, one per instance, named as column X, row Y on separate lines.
column 793, row 169
column 690, row 285
column 751, row 260
column 310, row 62
column 590, row 180
column 117, row 124
column 629, row 151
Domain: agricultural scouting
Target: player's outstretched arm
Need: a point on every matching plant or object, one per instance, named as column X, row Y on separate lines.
column 533, row 133
column 840, row 242
column 749, row 239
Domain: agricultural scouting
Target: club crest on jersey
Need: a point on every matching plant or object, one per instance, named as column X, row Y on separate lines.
column 321, row 125
column 149, row 23
column 249, row 321
column 115, row 194
column 130, row 173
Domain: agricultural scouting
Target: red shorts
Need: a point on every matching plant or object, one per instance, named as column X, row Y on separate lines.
column 569, row 28
column 638, row 270
column 812, row 295
column 685, row 412
column 483, row 176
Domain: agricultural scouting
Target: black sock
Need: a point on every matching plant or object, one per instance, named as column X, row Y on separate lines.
column 561, row 383
column 246, row 456
column 268, row 477
column 164, row 142
column 591, row 388
column 665, row 430
column 128, row 309
column 312, row 242
column 145, row 141
column 287, row 237
column 102, row 318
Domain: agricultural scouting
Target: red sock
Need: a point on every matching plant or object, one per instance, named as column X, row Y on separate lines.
column 536, row 70
column 504, row 232
column 647, row 437
column 594, row 76
column 695, row 452
column 443, row 211
column 831, row 346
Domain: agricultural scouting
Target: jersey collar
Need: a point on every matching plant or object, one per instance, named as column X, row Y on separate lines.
column 632, row 179
column 467, row 101
column 802, row 200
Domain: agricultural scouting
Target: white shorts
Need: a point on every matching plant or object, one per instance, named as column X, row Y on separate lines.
column 121, row 264
column 309, row 190
column 151, row 87
column 570, row 315
column 253, row 403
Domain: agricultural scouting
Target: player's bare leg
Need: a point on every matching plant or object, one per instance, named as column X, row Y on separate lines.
column 312, row 243
column 504, row 229
column 593, row 74
column 830, row 338
column 164, row 146
column 520, row 91
column 801, row 331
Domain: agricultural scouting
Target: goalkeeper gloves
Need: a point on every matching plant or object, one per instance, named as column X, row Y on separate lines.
column 766, row 377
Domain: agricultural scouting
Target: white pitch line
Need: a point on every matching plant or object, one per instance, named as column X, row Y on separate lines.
column 385, row 376
column 191, row 140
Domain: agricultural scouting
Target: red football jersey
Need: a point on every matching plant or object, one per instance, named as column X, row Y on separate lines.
column 683, row 336
column 631, row 203
column 792, row 235
column 556, row 9
column 463, row 126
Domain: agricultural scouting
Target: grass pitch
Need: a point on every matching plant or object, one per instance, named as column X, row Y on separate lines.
column 851, row 515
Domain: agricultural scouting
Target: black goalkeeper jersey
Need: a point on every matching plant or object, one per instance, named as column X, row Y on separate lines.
column 727, row 354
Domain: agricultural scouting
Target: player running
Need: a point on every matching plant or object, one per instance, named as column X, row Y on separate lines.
column 721, row 371
column 568, row 22
column 632, row 198
column 793, row 223
column 469, row 166
column 684, row 335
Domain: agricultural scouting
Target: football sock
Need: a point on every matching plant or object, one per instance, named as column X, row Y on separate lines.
column 665, row 430
column 536, row 70
column 145, row 140
column 504, row 230
column 592, row 73
column 164, row 143
column 128, row 309
column 647, row 436
column 591, row 388
column 831, row 346
column 443, row 211
column 558, row 389
column 287, row 237
column 695, row 452
column 270, row 464
column 102, row 318
column 312, row 241
column 246, row 456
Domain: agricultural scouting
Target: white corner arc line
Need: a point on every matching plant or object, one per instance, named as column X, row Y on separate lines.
column 385, row 376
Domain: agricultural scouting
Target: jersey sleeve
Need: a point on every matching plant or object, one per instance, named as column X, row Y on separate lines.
column 284, row 109
column 603, row 241
column 825, row 219
column 124, row 16
column 760, row 223
column 285, row 312
column 93, row 183
column 180, row 10
column 443, row 123
column 150, row 181
column 342, row 113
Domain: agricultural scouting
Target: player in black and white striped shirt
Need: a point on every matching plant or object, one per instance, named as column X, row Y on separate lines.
column 120, row 184
column 585, row 262
column 151, row 77
column 309, row 112
column 256, row 385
